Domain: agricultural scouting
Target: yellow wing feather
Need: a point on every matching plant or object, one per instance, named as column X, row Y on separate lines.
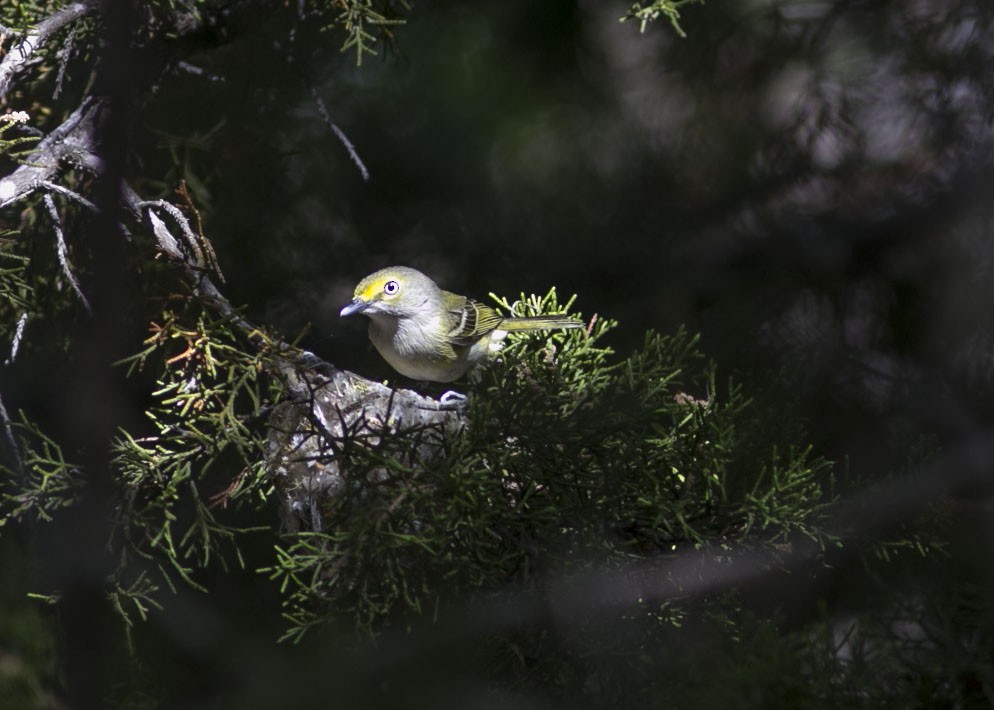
column 471, row 320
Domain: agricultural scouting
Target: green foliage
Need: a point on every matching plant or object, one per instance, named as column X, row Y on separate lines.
column 16, row 293
column 22, row 16
column 11, row 144
column 203, row 455
column 205, row 402
column 360, row 19
column 45, row 482
column 135, row 599
column 672, row 467
column 572, row 460
column 652, row 11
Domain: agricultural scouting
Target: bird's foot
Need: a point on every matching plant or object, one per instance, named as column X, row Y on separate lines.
column 453, row 399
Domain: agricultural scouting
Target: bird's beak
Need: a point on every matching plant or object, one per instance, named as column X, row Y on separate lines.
column 357, row 306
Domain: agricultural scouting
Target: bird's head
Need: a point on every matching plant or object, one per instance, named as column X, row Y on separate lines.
column 394, row 291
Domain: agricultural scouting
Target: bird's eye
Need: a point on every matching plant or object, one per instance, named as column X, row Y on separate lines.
column 391, row 287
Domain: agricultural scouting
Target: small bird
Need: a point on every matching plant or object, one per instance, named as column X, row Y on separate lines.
column 429, row 334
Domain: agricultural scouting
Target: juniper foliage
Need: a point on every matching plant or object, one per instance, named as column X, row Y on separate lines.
column 572, row 459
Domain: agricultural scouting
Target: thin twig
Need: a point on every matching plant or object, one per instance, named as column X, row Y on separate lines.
column 70, row 194
column 184, row 224
column 15, row 342
column 8, row 430
column 65, row 51
column 161, row 232
column 323, row 110
column 167, row 242
column 63, row 252
column 210, row 257
column 198, row 71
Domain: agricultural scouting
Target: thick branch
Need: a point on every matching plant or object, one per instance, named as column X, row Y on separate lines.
column 73, row 140
column 21, row 52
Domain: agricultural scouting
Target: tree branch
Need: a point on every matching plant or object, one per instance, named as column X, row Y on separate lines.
column 324, row 406
column 21, row 52
column 339, row 133
column 63, row 252
column 72, row 140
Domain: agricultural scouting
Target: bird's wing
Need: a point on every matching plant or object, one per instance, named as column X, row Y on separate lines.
column 470, row 320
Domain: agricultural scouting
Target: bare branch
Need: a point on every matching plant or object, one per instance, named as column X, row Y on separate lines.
column 184, row 224
column 73, row 140
column 198, row 71
column 167, row 242
column 323, row 110
column 15, row 342
column 63, row 252
column 21, row 52
column 72, row 195
column 8, row 430
column 63, row 54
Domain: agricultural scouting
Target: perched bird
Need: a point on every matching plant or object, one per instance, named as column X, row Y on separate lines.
column 426, row 333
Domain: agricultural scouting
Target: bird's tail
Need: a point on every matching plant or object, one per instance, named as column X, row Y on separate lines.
column 539, row 323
